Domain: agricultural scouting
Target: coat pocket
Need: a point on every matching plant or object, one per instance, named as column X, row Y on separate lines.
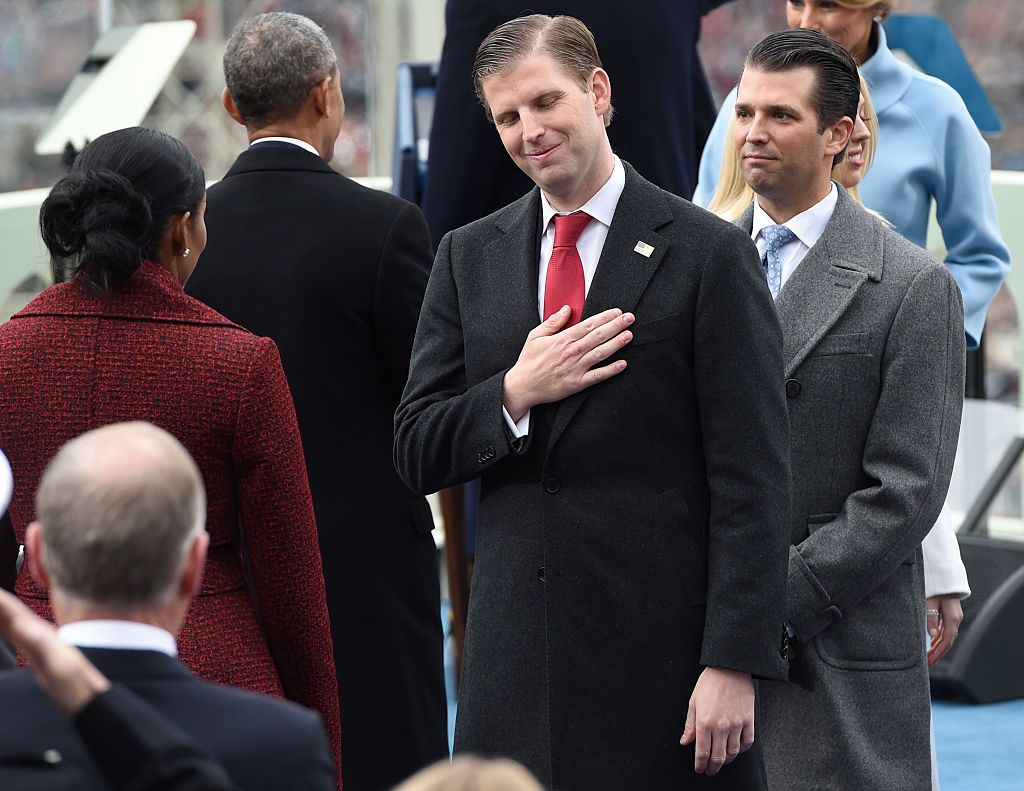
column 852, row 343
column 656, row 330
column 882, row 631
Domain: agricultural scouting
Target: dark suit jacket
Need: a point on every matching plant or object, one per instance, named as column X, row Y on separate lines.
column 641, row 530
column 262, row 742
column 664, row 108
column 136, row 747
column 335, row 274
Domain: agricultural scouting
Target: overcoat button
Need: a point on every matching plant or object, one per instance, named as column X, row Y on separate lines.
column 552, row 485
column 540, row 573
column 792, row 388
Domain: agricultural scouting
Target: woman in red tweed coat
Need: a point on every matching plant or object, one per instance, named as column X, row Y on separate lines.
column 122, row 341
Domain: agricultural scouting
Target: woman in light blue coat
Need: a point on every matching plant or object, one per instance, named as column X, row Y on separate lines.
column 929, row 149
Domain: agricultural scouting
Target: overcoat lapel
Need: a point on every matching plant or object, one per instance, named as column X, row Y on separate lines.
column 848, row 254
column 622, row 273
column 512, row 275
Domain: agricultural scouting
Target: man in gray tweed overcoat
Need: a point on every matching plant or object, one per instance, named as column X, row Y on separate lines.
column 874, row 367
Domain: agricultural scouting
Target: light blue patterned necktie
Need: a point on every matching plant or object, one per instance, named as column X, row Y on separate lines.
column 775, row 236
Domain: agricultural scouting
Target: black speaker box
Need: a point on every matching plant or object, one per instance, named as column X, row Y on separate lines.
column 986, row 663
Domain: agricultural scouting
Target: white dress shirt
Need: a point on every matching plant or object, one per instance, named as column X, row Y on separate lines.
column 808, row 226
column 293, row 140
column 590, row 244
column 124, row 635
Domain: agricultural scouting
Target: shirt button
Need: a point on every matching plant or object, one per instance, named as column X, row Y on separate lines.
column 552, row 485
column 540, row 573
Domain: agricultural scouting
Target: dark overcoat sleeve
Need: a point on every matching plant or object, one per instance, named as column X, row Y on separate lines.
column 447, row 431
column 908, row 458
column 738, row 370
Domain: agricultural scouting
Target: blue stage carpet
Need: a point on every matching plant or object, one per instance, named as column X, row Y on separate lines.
column 980, row 748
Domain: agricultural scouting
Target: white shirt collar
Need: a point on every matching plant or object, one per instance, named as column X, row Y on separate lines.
column 601, row 207
column 293, row 140
column 808, row 225
column 125, row 635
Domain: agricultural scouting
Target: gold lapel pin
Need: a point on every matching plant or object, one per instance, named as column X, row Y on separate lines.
column 644, row 249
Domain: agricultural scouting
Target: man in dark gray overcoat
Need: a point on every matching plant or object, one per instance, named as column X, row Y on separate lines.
column 631, row 548
column 874, row 354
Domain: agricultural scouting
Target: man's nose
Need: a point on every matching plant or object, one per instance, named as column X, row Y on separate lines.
column 757, row 130
column 533, row 129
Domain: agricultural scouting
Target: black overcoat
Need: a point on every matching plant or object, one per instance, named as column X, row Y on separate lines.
column 641, row 531
column 334, row 273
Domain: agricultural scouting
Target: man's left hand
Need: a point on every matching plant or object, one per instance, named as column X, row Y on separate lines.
column 943, row 628
column 720, row 718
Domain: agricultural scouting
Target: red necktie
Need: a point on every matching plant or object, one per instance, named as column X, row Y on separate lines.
column 564, row 284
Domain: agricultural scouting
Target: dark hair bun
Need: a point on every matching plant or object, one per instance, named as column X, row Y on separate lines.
column 98, row 224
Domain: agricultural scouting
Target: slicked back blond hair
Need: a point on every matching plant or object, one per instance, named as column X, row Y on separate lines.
column 565, row 38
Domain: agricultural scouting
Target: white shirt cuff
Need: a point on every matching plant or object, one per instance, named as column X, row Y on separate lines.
column 520, row 429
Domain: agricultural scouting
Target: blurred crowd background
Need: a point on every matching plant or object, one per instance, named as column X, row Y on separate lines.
column 43, row 44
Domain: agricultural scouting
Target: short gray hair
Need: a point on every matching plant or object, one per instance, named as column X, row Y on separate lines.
column 270, row 63
column 119, row 508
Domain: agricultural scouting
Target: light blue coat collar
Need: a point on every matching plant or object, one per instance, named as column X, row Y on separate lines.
column 888, row 77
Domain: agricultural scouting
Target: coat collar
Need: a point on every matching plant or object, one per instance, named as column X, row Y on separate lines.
column 278, row 156
column 848, row 254
column 886, row 76
column 151, row 294
column 129, row 664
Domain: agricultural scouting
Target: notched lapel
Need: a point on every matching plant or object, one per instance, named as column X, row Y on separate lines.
column 622, row 272
column 811, row 302
column 848, row 254
column 512, row 275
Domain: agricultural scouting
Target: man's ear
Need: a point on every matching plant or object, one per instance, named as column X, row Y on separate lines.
column 229, row 104
column 600, row 85
column 320, row 92
column 838, row 136
column 34, row 547
column 195, row 561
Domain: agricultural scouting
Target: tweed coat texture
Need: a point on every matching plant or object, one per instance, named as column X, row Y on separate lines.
column 335, row 274
column 263, row 743
column 71, row 361
column 639, row 533
column 874, row 349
